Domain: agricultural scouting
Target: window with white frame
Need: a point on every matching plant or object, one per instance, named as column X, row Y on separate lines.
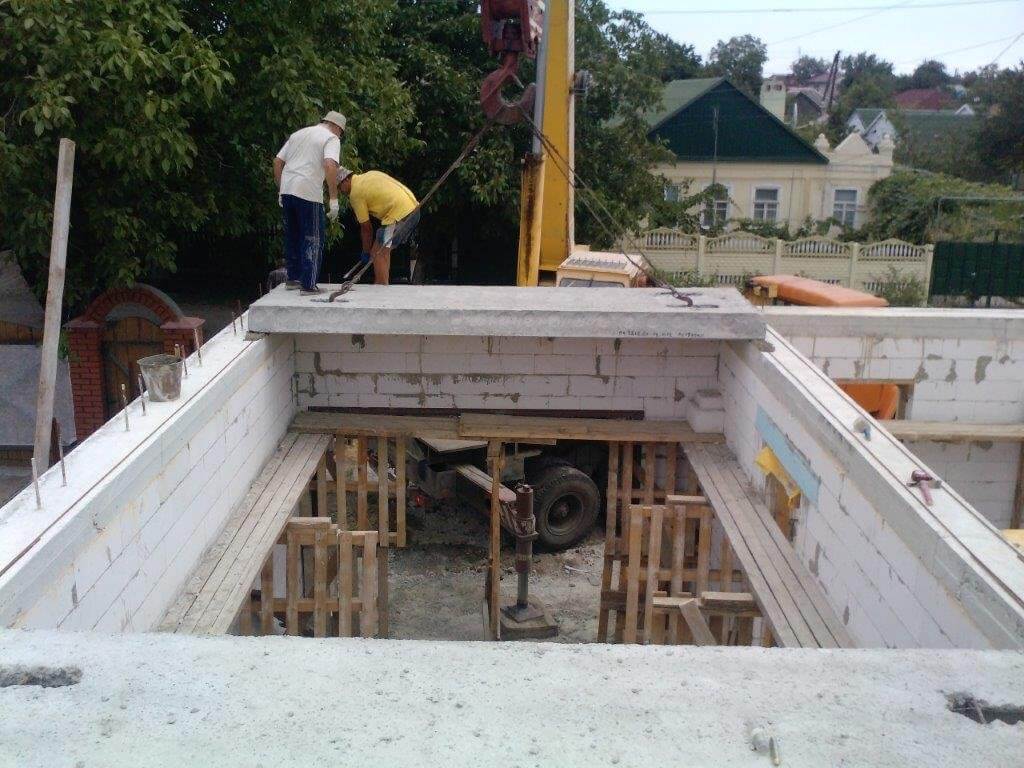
column 844, row 207
column 766, row 203
column 672, row 193
column 716, row 209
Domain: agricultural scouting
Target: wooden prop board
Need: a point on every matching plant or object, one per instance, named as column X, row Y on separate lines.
column 788, row 595
column 210, row 600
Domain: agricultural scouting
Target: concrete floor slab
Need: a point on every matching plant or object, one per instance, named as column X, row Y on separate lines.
column 171, row 700
column 607, row 313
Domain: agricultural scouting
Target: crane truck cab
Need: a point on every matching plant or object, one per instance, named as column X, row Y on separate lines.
column 599, row 269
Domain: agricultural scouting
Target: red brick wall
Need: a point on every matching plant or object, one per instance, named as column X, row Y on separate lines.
column 85, row 342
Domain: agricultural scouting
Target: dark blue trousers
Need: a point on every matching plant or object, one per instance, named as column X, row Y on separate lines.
column 304, row 225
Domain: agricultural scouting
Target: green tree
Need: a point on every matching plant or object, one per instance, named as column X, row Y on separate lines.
column 1000, row 141
column 177, row 110
column 436, row 45
column 926, row 207
column 864, row 65
column 682, row 61
column 742, row 60
column 807, row 67
column 125, row 80
column 930, row 74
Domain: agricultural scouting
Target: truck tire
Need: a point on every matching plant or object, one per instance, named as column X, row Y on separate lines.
column 565, row 505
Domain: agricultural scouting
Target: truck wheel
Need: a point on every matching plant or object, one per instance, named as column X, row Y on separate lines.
column 565, row 504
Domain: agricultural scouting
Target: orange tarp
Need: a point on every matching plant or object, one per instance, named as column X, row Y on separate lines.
column 803, row 291
column 880, row 400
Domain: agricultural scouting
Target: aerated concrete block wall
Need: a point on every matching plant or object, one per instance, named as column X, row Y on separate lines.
column 897, row 572
column 656, row 377
column 143, row 505
column 960, row 365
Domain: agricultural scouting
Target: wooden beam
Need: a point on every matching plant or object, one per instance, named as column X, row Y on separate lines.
column 479, row 425
column 1018, row 493
column 54, row 302
column 504, row 427
column 955, row 432
column 494, row 465
column 376, row 425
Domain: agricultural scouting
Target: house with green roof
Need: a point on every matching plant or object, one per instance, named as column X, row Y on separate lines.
column 719, row 134
column 917, row 126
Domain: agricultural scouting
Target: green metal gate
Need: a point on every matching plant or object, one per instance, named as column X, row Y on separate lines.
column 978, row 269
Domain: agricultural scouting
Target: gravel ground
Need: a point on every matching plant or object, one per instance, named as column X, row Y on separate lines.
column 437, row 582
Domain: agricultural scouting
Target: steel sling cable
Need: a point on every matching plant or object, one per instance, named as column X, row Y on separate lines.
column 578, row 183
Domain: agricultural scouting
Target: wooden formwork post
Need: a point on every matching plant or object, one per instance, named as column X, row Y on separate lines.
column 340, row 479
column 494, row 598
column 384, row 538
column 610, row 538
column 400, row 489
column 362, row 513
column 345, row 580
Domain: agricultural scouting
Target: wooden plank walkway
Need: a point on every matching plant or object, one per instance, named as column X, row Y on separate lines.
column 211, row 599
column 789, row 596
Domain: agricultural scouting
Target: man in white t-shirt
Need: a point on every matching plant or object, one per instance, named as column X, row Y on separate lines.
column 308, row 159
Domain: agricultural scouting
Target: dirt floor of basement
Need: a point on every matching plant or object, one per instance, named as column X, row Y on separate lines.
column 437, row 582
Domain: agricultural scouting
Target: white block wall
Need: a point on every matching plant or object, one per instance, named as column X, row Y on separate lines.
column 984, row 473
column 475, row 372
column 117, row 558
column 889, row 569
column 964, row 365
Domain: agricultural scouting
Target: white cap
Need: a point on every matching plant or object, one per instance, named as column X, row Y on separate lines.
column 335, row 117
column 344, row 173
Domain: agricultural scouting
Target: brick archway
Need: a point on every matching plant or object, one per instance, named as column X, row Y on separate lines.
column 89, row 379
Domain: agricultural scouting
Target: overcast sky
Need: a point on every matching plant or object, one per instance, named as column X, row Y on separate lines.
column 964, row 36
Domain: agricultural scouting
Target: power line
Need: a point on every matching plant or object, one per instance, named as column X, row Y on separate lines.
column 828, row 9
column 965, row 48
column 875, row 12
column 1000, row 54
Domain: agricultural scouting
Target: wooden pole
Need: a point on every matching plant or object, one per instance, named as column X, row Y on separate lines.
column 494, row 598
column 54, row 302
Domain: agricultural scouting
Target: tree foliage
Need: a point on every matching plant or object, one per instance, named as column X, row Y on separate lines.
column 864, row 65
column 126, row 80
column 1001, row 136
column 930, row 74
column 742, row 60
column 928, row 207
column 177, row 109
column 807, row 67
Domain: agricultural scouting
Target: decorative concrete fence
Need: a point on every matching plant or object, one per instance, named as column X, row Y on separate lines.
column 736, row 256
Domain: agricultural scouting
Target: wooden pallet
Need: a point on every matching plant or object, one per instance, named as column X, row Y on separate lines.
column 333, row 585
column 667, row 576
column 634, row 470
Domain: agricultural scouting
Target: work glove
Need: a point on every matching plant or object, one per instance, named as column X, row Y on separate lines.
column 364, row 257
column 332, row 212
column 280, row 201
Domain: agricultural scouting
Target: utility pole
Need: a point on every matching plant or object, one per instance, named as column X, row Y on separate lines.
column 830, row 88
column 714, row 128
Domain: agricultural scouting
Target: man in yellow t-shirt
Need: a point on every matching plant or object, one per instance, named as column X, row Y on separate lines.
column 388, row 200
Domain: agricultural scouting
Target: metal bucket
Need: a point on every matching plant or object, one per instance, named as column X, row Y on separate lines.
column 163, row 377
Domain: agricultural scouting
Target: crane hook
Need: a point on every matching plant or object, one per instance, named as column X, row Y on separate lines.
column 497, row 107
